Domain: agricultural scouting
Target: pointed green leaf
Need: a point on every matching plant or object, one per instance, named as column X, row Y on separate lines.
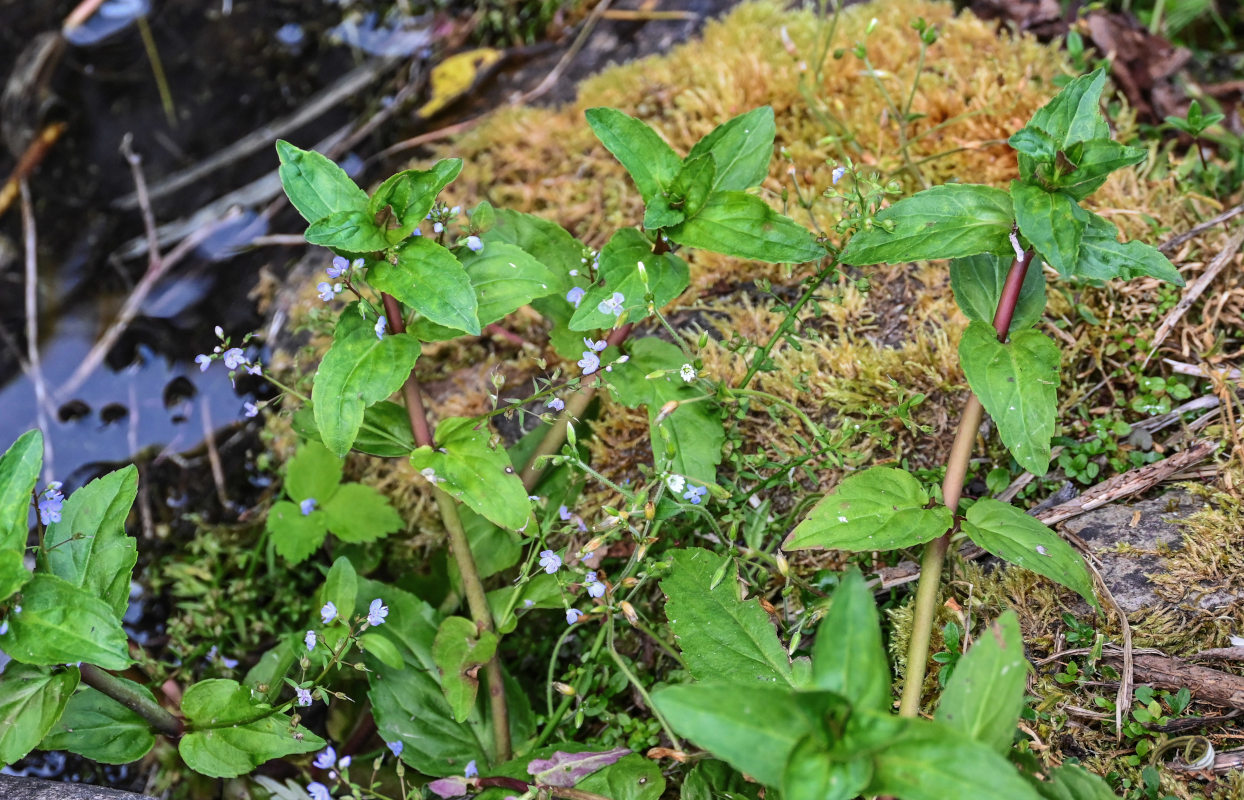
column 295, row 535
column 340, row 587
column 651, row 162
column 1017, row 383
column 102, row 558
column 13, row 573
column 977, row 282
column 1052, row 222
column 752, row 728
column 742, row 225
column 1073, row 115
column 380, row 647
column 695, row 430
column 31, row 701
column 934, row 762
column 948, row 221
column 1073, row 782
column 230, row 734
column 810, row 775
column 410, row 195
column 353, row 231
column 986, row 692
column 506, row 278
column 19, row 470
column 385, row 431
column 721, row 635
column 878, row 509
column 460, row 649
column 102, row 729
column 315, row 185
column 359, row 369
column 467, row 466
column 668, row 276
column 1014, row 536
column 1034, row 143
column 1093, row 161
column 429, row 279
column 62, row 624
column 313, row 472
column 741, row 149
column 693, row 184
column 546, row 241
column 1103, row 257
column 660, row 213
column 495, row 549
column 359, row 513
column 848, row 656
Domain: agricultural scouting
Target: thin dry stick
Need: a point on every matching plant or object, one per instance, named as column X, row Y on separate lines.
column 1122, row 700
column 1194, row 290
column 584, row 34
column 213, row 455
column 32, row 326
column 1175, row 241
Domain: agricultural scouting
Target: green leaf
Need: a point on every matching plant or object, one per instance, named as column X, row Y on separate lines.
column 848, row 657
column 632, row 778
column 1073, row 782
column 542, row 590
column 1103, row 257
column 429, row 279
column 99, row 728
column 1052, row 222
column 31, row 701
column 546, row 241
column 1073, row 115
column 1013, row 536
column 741, row 149
column 710, row 779
column 353, row 231
column 231, row 735
column 1034, row 143
column 359, row 513
column 469, row 468
column 385, row 431
column 721, row 635
column 62, row 624
column 986, row 691
column 102, row 558
column 881, row 508
column 295, row 535
column 460, row 649
column 313, row 472
column 752, row 728
column 1017, row 383
column 495, row 549
column 265, row 678
column 810, row 775
column 1091, row 164
column 693, row 184
column 19, row 470
column 660, row 213
column 934, row 762
column 668, row 276
column 950, row 221
column 359, row 369
column 315, row 185
column 695, row 430
column 340, row 587
column 977, row 282
column 742, row 225
column 13, row 573
column 651, row 162
column 505, row 278
column 410, row 195
column 381, row 648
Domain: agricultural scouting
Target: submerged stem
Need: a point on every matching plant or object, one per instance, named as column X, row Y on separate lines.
column 952, row 488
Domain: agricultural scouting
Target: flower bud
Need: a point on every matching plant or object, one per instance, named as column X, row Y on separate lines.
column 564, row 688
column 628, row 611
column 783, row 565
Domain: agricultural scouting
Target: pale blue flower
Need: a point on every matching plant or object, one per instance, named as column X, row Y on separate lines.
column 203, row 361
column 613, row 305
column 340, row 267
column 326, row 290
column 437, row 227
column 381, row 327
column 564, row 513
column 593, row 345
column 594, row 587
column 307, row 506
column 376, row 612
column 50, row 503
column 416, row 232
column 254, row 369
column 396, row 747
column 589, row 363
column 328, row 613
column 234, row 357
column 557, row 404
column 838, row 173
column 471, row 771
column 326, row 759
column 250, row 409
column 573, row 615
column 695, row 494
column 550, row 562
column 309, row 640
column 455, row 211
column 304, row 696
column 575, row 295
column 474, row 244
column 213, row 655
column 318, row 791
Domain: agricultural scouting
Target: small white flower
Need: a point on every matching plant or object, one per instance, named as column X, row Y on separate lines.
column 688, row 373
column 676, row 483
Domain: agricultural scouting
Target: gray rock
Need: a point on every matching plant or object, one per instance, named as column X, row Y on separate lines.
column 14, row 788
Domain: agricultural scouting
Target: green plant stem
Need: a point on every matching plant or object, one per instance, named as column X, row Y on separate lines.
column 952, row 488
column 156, row 715
column 555, row 436
column 639, row 687
column 788, row 321
column 460, row 549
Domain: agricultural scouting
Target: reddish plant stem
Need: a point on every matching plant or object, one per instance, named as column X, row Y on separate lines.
column 952, row 489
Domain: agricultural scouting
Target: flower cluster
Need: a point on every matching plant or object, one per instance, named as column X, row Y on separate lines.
column 678, row 485
column 235, row 358
column 50, row 503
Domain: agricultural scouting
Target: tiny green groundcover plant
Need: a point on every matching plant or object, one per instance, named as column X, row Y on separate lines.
column 408, row 271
